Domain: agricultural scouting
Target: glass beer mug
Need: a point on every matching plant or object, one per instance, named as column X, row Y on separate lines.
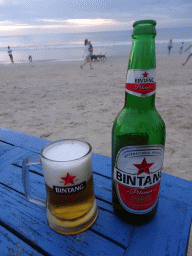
column 67, row 167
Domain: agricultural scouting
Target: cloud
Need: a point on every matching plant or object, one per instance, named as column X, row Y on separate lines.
column 8, row 23
column 51, row 20
column 86, row 22
column 63, row 26
column 19, row 2
column 91, row 22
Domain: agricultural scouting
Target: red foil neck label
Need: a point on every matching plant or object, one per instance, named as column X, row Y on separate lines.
column 141, row 83
column 137, row 175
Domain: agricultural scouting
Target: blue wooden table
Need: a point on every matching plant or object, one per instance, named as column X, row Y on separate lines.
column 24, row 229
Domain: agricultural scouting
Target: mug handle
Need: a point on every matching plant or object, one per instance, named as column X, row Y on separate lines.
column 40, row 200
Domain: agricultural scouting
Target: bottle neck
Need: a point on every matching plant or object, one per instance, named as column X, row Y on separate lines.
column 142, row 58
column 141, row 104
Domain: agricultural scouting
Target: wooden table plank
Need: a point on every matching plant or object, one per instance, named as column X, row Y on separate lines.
column 28, row 154
column 11, row 176
column 12, row 245
column 102, row 165
column 4, row 148
column 166, row 234
column 23, row 140
column 176, row 188
column 10, row 156
column 29, row 222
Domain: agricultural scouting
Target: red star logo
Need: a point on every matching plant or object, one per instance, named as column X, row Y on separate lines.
column 68, row 179
column 143, row 167
column 145, row 74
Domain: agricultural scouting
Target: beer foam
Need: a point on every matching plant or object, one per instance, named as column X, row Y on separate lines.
column 66, row 157
column 66, row 150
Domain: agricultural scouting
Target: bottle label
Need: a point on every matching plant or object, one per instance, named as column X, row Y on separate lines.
column 137, row 175
column 141, row 83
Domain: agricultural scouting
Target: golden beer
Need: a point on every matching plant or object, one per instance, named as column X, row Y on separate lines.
column 71, row 205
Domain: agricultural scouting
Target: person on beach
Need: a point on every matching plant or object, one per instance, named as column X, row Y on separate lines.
column 87, row 55
column 90, row 48
column 170, row 45
column 190, row 54
column 10, row 54
column 181, row 47
column 30, row 58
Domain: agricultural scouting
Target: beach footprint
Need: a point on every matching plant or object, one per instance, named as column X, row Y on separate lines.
column 45, row 135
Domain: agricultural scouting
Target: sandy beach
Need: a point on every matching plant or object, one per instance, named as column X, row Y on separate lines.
column 57, row 100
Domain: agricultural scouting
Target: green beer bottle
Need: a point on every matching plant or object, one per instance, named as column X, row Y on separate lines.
column 138, row 135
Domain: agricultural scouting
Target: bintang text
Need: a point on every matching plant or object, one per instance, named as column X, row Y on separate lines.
column 70, row 190
column 135, row 181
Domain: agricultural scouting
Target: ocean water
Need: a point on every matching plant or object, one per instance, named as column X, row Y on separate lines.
column 69, row 46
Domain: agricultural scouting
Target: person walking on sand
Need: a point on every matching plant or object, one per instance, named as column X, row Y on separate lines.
column 90, row 48
column 190, row 54
column 181, row 47
column 170, row 45
column 30, row 58
column 10, row 54
column 87, row 55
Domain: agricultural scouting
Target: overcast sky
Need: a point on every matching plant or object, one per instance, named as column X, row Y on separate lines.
column 55, row 16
